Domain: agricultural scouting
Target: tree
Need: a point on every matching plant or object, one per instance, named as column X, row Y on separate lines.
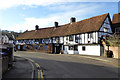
column 114, row 40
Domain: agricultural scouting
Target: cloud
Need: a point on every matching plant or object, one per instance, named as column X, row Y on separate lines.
column 30, row 23
column 5, row 4
column 63, row 17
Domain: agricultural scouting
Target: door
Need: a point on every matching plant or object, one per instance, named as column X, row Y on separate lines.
column 58, row 49
column 101, row 50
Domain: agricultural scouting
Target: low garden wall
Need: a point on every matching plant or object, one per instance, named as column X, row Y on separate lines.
column 116, row 51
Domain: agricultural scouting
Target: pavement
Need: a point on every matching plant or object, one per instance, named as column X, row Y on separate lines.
column 21, row 69
column 113, row 61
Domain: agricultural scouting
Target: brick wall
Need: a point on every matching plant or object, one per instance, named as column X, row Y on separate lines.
column 116, row 51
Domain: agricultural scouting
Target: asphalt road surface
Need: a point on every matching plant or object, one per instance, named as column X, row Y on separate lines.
column 70, row 66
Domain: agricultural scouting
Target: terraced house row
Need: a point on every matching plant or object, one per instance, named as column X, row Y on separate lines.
column 82, row 37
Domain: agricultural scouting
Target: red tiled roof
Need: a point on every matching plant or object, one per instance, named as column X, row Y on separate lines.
column 116, row 18
column 116, row 21
column 36, row 34
column 87, row 25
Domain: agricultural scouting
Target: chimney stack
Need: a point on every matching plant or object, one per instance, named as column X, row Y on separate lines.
column 36, row 27
column 73, row 19
column 56, row 24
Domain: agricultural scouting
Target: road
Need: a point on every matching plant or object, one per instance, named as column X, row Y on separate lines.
column 71, row 66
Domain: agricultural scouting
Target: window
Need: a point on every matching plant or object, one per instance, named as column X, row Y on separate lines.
column 66, row 37
column 35, row 47
column 76, row 47
column 83, row 48
column 77, row 38
column 43, row 41
column 49, row 41
column 117, row 30
column 105, row 29
column 71, row 47
column 90, row 35
column 46, row 40
column 36, row 40
column 71, row 37
column 40, row 41
column 45, row 47
column 57, row 39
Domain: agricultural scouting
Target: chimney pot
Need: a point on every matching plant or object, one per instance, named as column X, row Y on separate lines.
column 56, row 24
column 36, row 27
column 73, row 19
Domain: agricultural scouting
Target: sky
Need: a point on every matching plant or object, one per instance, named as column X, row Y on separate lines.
column 22, row 15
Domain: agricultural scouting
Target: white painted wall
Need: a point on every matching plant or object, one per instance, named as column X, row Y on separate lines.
column 82, row 38
column 90, row 50
column 72, row 52
column 86, row 38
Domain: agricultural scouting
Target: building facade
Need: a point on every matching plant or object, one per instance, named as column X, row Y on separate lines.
column 8, row 37
column 82, row 37
column 4, row 39
column 116, row 23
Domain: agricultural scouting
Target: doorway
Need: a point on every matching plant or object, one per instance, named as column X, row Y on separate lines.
column 57, row 48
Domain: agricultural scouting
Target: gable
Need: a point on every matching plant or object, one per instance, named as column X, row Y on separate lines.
column 106, row 25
